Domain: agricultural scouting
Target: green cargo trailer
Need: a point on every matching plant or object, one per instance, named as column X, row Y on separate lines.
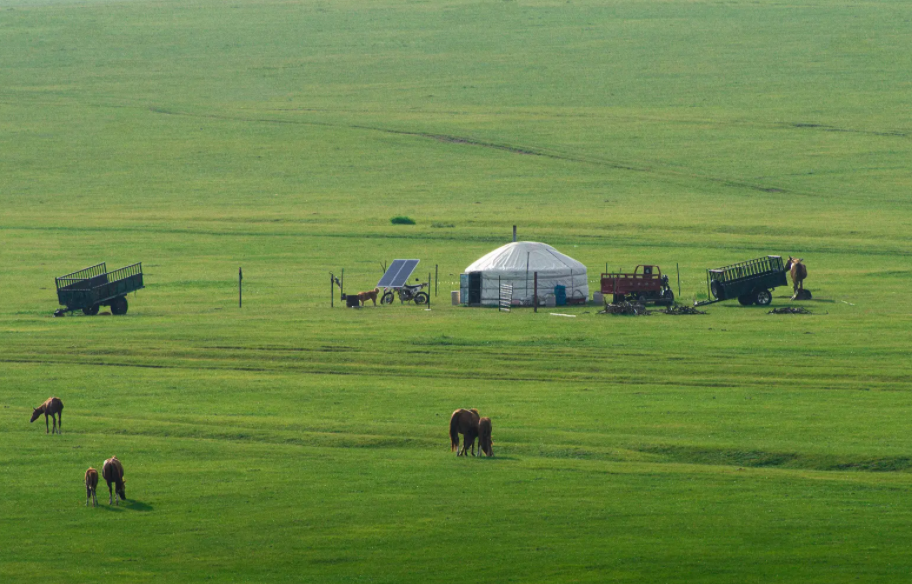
column 94, row 287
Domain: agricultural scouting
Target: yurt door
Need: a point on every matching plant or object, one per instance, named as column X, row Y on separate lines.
column 474, row 287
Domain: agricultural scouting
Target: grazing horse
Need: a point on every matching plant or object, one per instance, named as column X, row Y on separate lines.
column 91, row 480
column 51, row 407
column 799, row 272
column 113, row 472
column 485, row 444
column 463, row 422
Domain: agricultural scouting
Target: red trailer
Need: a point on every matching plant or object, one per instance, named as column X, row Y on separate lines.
column 645, row 284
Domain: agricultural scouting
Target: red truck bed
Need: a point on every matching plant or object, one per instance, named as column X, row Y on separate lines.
column 646, row 283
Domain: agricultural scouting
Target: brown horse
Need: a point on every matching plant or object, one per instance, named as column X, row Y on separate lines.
column 113, row 472
column 485, row 443
column 463, row 422
column 91, row 480
column 799, row 272
column 51, row 407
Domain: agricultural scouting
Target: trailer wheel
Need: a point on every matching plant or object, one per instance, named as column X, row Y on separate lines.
column 746, row 299
column 90, row 310
column 119, row 305
column 718, row 289
column 387, row 298
column 763, row 297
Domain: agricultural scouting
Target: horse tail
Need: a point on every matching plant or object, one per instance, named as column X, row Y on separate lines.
column 454, row 431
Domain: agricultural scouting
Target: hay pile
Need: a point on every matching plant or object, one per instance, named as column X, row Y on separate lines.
column 790, row 310
column 626, row 309
column 682, row 309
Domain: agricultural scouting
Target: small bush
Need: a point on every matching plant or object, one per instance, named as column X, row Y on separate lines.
column 402, row 220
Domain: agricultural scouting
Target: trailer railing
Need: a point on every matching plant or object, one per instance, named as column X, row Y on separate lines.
column 124, row 273
column 747, row 269
column 85, row 275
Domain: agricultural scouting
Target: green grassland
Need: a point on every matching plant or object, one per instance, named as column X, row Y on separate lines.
column 288, row 441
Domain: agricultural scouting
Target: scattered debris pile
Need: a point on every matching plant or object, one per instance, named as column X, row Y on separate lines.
column 682, row 309
column 626, row 308
column 790, row 310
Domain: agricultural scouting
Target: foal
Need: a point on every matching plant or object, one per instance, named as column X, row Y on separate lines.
column 91, row 479
column 51, row 407
column 485, row 443
column 113, row 472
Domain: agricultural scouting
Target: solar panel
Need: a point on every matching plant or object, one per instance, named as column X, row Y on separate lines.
column 397, row 274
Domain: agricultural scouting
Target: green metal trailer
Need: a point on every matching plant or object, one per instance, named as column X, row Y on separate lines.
column 750, row 282
column 90, row 288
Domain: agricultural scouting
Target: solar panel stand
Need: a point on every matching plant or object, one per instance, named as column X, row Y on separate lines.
column 398, row 273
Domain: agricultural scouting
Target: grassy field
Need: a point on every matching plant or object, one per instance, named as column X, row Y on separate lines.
column 288, row 441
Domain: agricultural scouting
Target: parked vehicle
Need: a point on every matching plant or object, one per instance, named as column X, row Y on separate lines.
column 94, row 287
column 751, row 282
column 406, row 294
column 645, row 284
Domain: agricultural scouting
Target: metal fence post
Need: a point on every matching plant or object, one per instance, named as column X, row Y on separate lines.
column 679, row 279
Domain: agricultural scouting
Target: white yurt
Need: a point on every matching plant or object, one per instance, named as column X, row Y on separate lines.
column 516, row 263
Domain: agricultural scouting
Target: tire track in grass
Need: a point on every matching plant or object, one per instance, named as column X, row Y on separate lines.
column 509, row 148
column 215, row 429
column 900, row 250
column 684, row 380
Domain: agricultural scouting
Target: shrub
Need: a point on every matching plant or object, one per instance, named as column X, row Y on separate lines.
column 402, row 220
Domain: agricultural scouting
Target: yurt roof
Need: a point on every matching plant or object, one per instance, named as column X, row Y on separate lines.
column 514, row 257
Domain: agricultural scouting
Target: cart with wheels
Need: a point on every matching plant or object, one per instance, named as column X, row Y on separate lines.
column 645, row 284
column 94, row 287
column 751, row 282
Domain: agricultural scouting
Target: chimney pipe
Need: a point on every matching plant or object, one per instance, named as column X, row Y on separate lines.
column 514, row 234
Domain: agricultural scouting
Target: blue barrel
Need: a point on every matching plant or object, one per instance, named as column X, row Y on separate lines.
column 560, row 295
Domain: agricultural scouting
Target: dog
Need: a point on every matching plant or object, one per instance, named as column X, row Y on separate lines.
column 363, row 297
